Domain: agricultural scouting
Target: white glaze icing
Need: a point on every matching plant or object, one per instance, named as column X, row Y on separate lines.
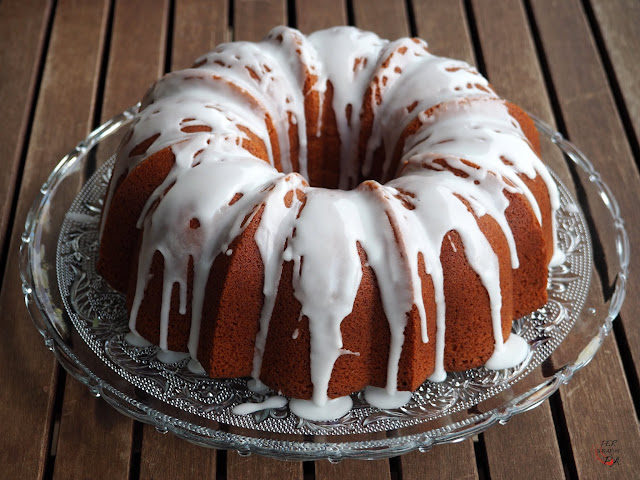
column 250, row 407
column 136, row 340
column 168, row 356
column 381, row 398
column 194, row 366
column 255, row 385
column 234, row 89
column 512, row 352
column 331, row 410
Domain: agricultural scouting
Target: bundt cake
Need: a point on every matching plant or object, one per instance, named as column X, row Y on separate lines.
column 329, row 212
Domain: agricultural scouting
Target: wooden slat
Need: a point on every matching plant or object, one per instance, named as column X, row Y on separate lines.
column 449, row 461
column 597, row 404
column 353, row 470
column 254, row 19
column 386, row 18
column 510, row 60
column 453, row 41
column 618, row 21
column 63, row 117
column 88, row 427
column 136, row 53
column 596, row 410
column 514, row 450
column 94, row 439
column 199, row 25
column 167, row 457
column 312, row 15
column 510, row 56
column 252, row 466
column 23, row 28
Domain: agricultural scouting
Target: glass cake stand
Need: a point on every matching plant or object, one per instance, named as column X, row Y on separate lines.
column 83, row 322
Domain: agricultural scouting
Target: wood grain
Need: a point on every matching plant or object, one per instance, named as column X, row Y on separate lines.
column 136, row 53
column 515, row 449
column 63, row 116
column 167, row 457
column 453, row 41
column 94, row 440
column 597, row 403
column 511, row 61
column 199, row 25
column 455, row 461
column 312, row 15
column 240, row 468
column 89, row 428
column 353, row 470
column 23, row 30
column 618, row 22
column 593, row 123
column 386, row 18
column 253, row 19
column 510, row 56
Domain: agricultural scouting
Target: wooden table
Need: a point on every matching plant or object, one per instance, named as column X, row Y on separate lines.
column 67, row 66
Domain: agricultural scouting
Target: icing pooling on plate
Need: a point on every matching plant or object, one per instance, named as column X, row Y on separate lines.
column 236, row 88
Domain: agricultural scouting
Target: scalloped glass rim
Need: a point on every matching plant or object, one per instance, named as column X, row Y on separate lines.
column 55, row 331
